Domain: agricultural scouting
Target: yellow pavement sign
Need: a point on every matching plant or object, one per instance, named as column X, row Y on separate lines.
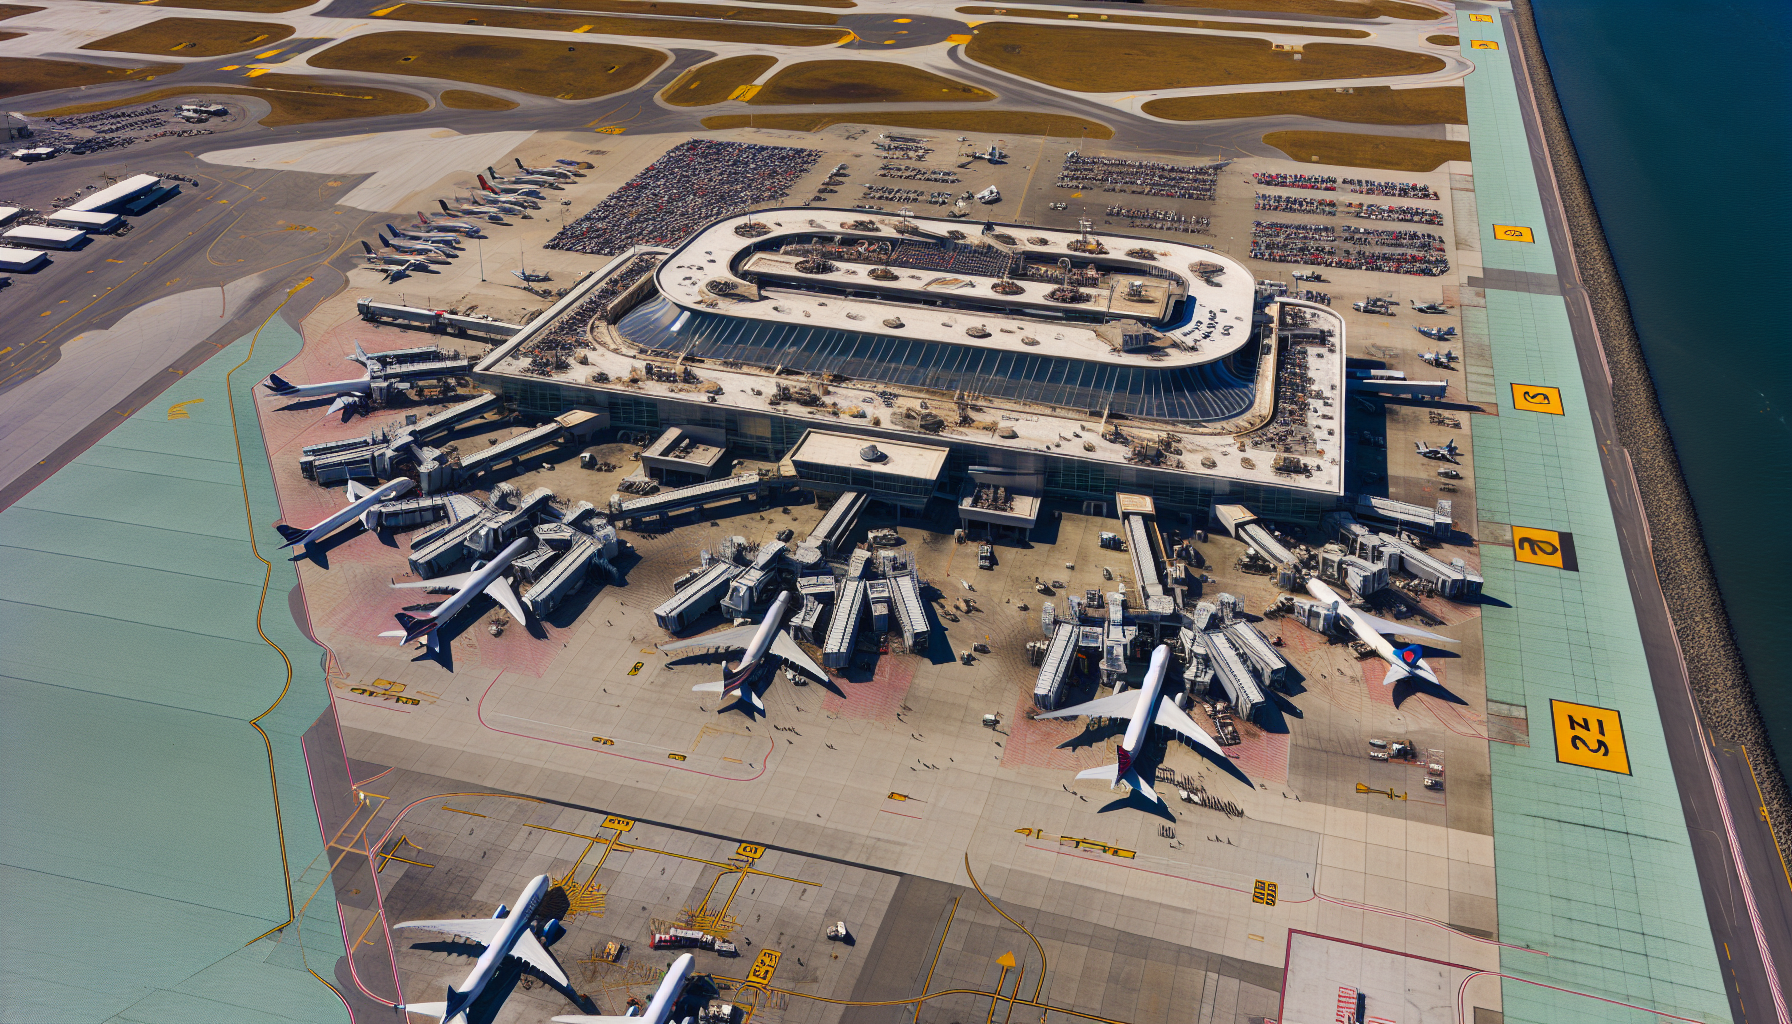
column 750, row 851
column 1006, row 959
column 1513, row 233
column 1264, row 892
column 1480, row 17
column 1589, row 736
column 1544, row 547
column 1483, row 44
column 1537, row 398
column 619, row 824
column 763, row 968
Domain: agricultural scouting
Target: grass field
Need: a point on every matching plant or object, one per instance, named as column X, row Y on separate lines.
column 711, row 12
column 1010, row 122
column 246, row 6
column 194, row 37
column 1327, row 8
column 1443, row 40
column 464, row 99
column 1271, row 27
column 4, row 36
column 863, row 81
column 1384, row 152
column 14, row 10
column 662, row 28
column 715, row 81
column 1367, row 105
column 295, row 99
column 21, row 75
column 545, row 67
column 1109, row 60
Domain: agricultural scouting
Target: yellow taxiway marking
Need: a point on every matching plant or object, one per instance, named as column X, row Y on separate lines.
column 1537, row 398
column 1513, row 233
column 257, row 73
column 1480, row 17
column 1589, row 736
column 270, row 53
column 957, row 40
column 1264, row 892
column 1483, row 44
column 1544, row 547
column 584, row 28
column 5, row 350
column 382, row 12
column 177, row 411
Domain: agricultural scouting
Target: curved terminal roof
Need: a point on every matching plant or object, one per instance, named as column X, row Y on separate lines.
column 1185, row 394
column 942, row 305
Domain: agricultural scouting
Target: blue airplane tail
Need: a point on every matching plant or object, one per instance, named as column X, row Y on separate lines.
column 1410, row 656
column 417, row 627
column 278, row 385
column 293, row 534
column 456, row 1004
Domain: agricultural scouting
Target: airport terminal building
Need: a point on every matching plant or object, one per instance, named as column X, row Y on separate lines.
column 1086, row 363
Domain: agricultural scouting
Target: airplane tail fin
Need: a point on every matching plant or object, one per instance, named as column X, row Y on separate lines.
column 457, row 1004
column 1109, row 773
column 715, row 687
column 519, row 164
column 443, row 203
column 485, row 184
column 1411, row 659
column 293, row 534
column 427, row 1009
column 382, row 239
column 366, row 247
column 416, row 627
column 278, row 385
column 395, row 232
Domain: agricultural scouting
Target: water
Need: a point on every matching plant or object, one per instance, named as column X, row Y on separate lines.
column 1680, row 115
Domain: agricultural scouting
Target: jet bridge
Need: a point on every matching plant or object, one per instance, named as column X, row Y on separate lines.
column 744, row 485
column 1048, row 693
column 843, row 626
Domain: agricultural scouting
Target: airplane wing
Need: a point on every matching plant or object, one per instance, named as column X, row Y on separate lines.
column 342, row 402
column 784, row 647
column 529, row 950
column 1119, row 705
column 728, row 639
column 1384, row 626
column 479, row 929
column 499, row 590
column 444, row 583
column 1172, row 717
column 357, row 490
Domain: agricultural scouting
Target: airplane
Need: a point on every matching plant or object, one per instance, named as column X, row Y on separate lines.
column 1428, row 307
column 444, row 240
column 1443, row 360
column 484, row 578
column 504, row 934
column 989, row 195
column 1146, row 707
column 502, row 189
column 755, row 642
column 346, row 392
column 459, row 227
column 659, row 1010
column 503, row 203
column 1447, row 453
column 549, row 172
column 1311, row 277
column 1436, row 333
column 409, row 264
column 1402, row 661
column 524, row 276
column 426, row 253
column 539, row 180
column 361, row 499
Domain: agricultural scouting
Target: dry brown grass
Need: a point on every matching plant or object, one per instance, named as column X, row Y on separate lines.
column 14, row 10
column 246, row 6
column 1443, row 40
column 464, row 99
column 1009, row 122
column 1383, row 152
column 4, row 36
column 659, row 28
column 1368, row 105
column 1271, row 27
column 715, row 81
column 545, row 67
column 194, row 37
column 863, row 81
column 21, row 75
column 295, row 99
column 1110, row 60
column 711, row 12
column 1327, row 8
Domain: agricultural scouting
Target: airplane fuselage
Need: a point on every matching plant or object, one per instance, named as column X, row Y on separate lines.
column 360, row 386
column 1368, row 634
column 481, row 579
column 514, row 926
column 761, row 642
column 1146, row 712
column 362, row 509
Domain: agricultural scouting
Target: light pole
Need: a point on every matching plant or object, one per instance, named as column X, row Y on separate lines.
column 480, row 242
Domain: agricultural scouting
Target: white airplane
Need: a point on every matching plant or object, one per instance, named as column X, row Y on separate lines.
column 503, row 203
column 361, row 498
column 459, row 227
column 1444, row 360
column 1427, row 307
column 505, row 933
column 539, row 180
column 989, row 195
column 659, row 1011
column 1402, row 661
column 347, row 392
column 1447, row 453
column 547, row 172
column 1146, row 707
column 529, row 191
column 483, row 578
column 420, row 250
column 446, row 241
column 756, row 642
column 405, row 264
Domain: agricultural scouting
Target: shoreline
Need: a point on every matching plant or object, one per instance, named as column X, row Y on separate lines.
column 1724, row 698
